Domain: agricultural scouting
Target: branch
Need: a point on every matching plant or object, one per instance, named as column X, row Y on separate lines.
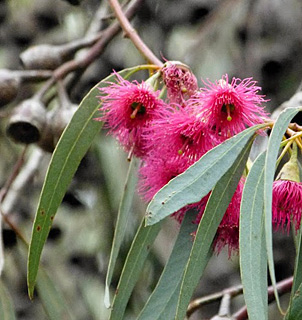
column 283, row 287
column 131, row 33
column 199, row 302
column 12, row 177
column 20, row 181
column 91, row 55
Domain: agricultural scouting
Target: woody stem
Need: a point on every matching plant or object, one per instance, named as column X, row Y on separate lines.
column 132, row 34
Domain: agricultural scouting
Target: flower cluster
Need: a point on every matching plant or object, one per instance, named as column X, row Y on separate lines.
column 170, row 132
column 287, row 194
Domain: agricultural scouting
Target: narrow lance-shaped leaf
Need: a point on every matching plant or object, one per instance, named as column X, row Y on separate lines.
column 295, row 311
column 298, row 265
column 199, row 179
column 215, row 209
column 165, row 295
column 122, row 219
column 6, row 304
column 134, row 263
column 53, row 302
column 276, row 135
column 253, row 259
column 71, row 148
column 297, row 281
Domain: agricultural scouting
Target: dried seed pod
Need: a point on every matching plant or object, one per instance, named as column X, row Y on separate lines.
column 50, row 57
column 45, row 57
column 27, row 122
column 61, row 119
column 9, row 86
column 56, row 122
column 46, row 141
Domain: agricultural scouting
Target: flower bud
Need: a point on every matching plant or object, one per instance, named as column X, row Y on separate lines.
column 27, row 122
column 181, row 83
column 9, row 86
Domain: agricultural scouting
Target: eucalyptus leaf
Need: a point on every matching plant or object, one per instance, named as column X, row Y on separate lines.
column 121, row 223
column 275, row 138
column 297, row 280
column 295, row 311
column 52, row 300
column 214, row 211
column 192, row 185
column 253, row 259
column 134, row 263
column 165, row 295
column 71, row 148
column 298, row 265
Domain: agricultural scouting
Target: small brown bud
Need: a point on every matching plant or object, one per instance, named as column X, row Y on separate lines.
column 27, row 122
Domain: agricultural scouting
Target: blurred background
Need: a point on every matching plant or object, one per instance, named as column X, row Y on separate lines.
column 248, row 38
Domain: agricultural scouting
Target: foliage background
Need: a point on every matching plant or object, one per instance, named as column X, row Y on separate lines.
column 262, row 39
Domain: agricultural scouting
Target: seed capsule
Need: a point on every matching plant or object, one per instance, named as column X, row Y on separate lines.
column 27, row 122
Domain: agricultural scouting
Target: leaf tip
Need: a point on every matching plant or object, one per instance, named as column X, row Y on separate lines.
column 107, row 302
column 31, row 290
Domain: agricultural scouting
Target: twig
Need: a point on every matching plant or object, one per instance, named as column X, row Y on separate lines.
column 110, row 16
column 224, row 309
column 294, row 126
column 84, row 61
column 6, row 218
column 198, row 303
column 283, row 287
column 133, row 35
column 12, row 177
column 22, row 179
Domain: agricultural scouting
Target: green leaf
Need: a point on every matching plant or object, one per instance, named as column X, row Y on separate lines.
column 6, row 304
column 298, row 265
column 215, row 209
column 295, row 312
column 273, row 147
column 165, row 295
column 199, row 179
column 253, row 259
column 134, row 263
column 52, row 300
column 71, row 148
column 297, row 280
column 122, row 219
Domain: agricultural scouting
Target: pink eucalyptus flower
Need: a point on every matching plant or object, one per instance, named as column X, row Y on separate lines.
column 157, row 172
column 229, row 108
column 228, row 230
column 128, row 108
column 179, row 134
column 287, row 204
column 180, row 82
